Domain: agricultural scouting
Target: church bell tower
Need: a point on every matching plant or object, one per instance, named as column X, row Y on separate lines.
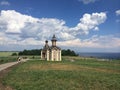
column 54, row 41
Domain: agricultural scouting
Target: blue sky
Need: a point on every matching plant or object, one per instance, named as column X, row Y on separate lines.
column 81, row 25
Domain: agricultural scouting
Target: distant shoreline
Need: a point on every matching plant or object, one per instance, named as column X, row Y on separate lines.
column 101, row 55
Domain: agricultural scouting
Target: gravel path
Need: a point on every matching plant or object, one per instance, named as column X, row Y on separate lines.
column 6, row 65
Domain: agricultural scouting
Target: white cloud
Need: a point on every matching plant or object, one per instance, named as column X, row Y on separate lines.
column 108, row 41
column 5, row 3
column 87, row 1
column 90, row 21
column 117, row 12
column 96, row 28
column 20, row 29
column 12, row 22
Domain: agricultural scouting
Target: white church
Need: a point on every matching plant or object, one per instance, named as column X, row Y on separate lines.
column 52, row 53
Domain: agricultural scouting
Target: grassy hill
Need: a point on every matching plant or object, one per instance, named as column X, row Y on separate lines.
column 73, row 73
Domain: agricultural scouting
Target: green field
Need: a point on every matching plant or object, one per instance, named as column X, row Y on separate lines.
column 73, row 73
column 6, row 53
column 6, row 56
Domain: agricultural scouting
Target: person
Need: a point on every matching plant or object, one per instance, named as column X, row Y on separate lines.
column 19, row 59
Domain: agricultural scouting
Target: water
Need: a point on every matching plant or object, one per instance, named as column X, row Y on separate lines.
column 101, row 55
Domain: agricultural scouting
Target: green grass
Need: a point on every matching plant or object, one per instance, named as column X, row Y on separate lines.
column 6, row 53
column 6, row 57
column 79, row 74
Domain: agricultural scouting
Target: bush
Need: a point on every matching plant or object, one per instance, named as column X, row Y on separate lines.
column 14, row 54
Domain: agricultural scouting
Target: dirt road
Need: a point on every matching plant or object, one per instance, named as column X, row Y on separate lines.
column 7, row 65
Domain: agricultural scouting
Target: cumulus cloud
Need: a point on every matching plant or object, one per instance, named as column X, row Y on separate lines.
column 20, row 29
column 117, row 12
column 5, row 3
column 90, row 21
column 87, row 1
column 23, row 26
column 13, row 22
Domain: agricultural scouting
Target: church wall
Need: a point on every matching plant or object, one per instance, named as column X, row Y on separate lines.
column 56, row 55
column 41, row 54
column 47, row 55
column 52, row 53
column 60, row 55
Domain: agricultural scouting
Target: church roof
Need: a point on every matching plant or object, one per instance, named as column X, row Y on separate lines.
column 55, row 47
column 51, row 48
column 54, row 38
column 46, row 47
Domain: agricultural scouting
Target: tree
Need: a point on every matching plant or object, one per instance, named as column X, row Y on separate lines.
column 14, row 54
column 68, row 52
column 30, row 52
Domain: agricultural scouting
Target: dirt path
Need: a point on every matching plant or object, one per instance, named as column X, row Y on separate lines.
column 6, row 65
column 4, row 69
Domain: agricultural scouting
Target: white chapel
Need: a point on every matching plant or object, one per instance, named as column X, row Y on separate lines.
column 52, row 53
